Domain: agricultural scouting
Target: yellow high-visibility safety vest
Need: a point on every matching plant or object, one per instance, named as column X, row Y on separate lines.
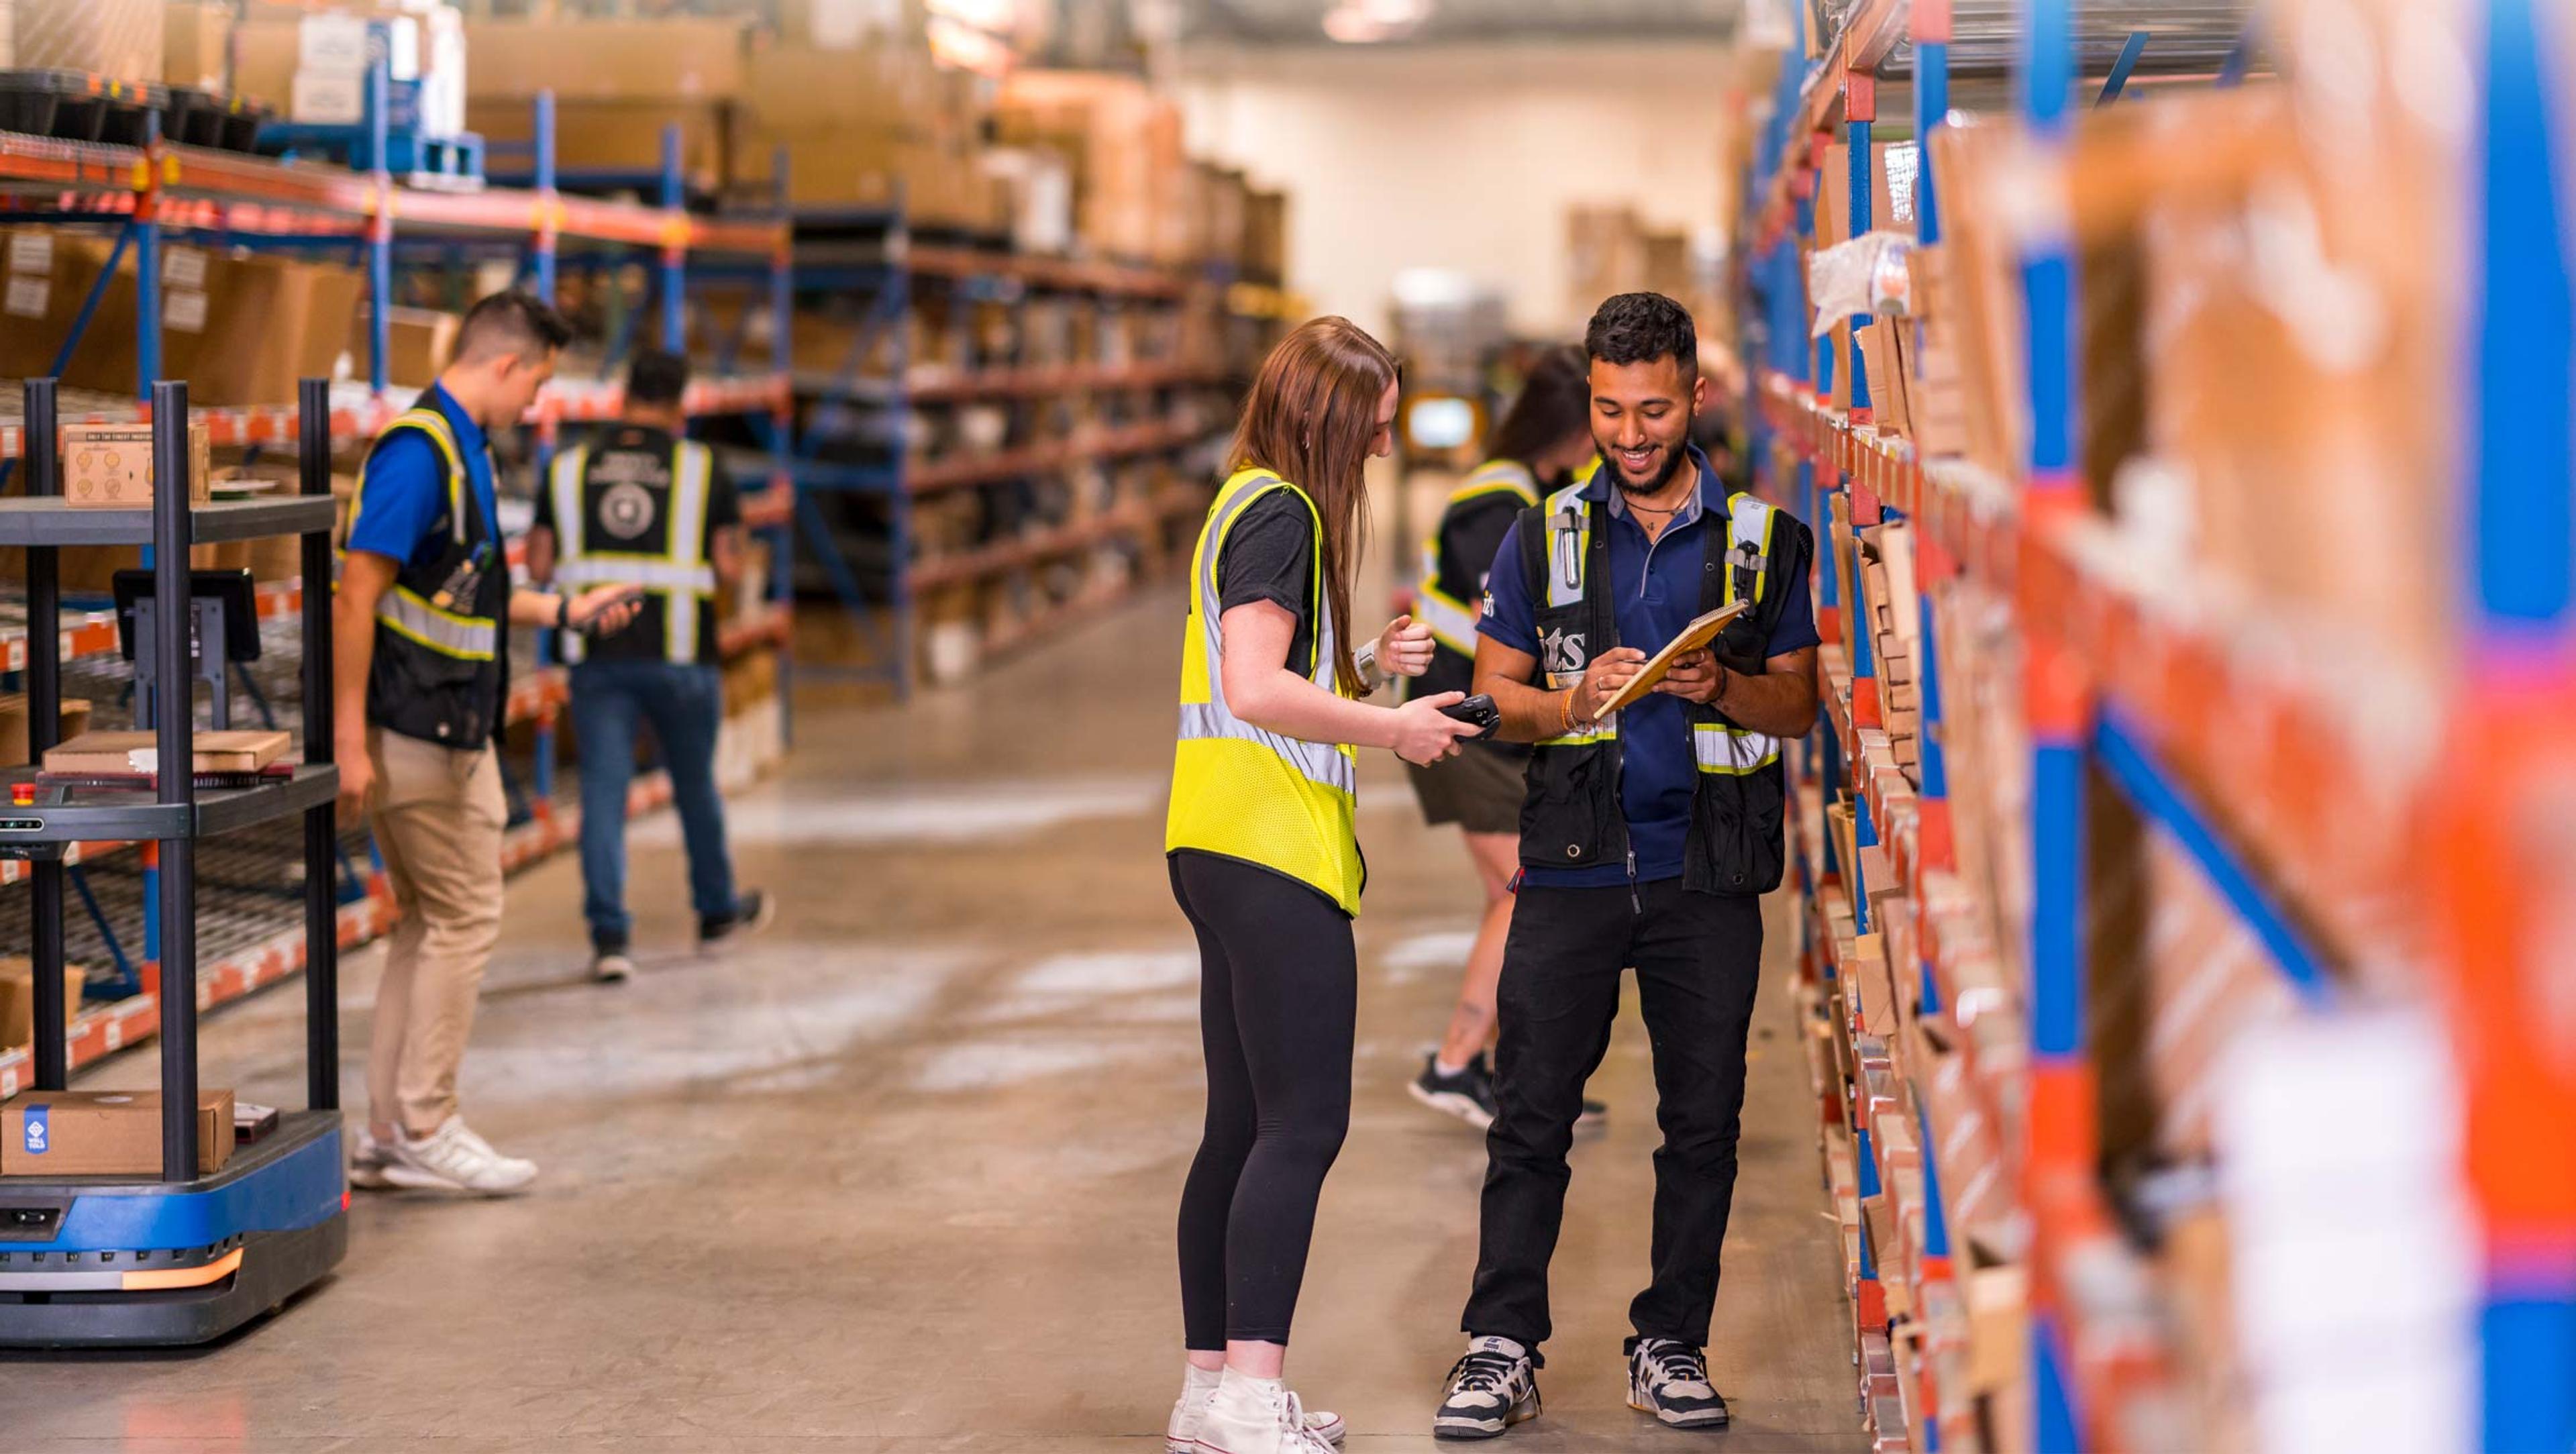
column 405, row 609
column 679, row 573
column 1453, row 621
column 1281, row 802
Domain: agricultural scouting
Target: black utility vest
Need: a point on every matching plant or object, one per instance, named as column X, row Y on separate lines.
column 1572, row 816
column 441, row 668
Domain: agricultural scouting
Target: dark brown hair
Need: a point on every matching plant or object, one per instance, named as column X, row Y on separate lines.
column 1310, row 420
column 1554, row 403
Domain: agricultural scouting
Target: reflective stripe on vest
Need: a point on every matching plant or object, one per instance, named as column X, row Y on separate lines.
column 466, row 638
column 680, row 574
column 1242, row 791
column 442, row 437
column 1569, row 537
column 1453, row 621
column 1749, row 521
column 1732, row 751
column 405, row 612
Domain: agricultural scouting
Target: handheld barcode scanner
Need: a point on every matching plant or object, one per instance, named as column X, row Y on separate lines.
column 96, row 1251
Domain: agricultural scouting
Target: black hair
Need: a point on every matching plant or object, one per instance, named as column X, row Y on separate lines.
column 515, row 322
column 656, row 378
column 1635, row 328
column 1555, row 401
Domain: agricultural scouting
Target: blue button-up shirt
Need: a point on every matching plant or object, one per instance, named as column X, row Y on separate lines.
column 1656, row 593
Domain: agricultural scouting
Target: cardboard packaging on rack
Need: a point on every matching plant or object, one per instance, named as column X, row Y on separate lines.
column 681, row 58
column 118, row 39
column 15, row 739
column 104, row 1133
column 196, row 44
column 109, row 466
column 417, row 343
column 618, row 136
column 18, row 999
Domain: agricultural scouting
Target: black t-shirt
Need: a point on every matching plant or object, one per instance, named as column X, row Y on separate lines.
column 647, row 462
column 1269, row 555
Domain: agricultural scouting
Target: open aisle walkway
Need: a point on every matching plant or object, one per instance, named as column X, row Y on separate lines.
column 900, row 1175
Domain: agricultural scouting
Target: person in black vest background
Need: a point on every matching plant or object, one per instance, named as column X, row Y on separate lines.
column 639, row 505
column 1648, row 836
column 1543, row 438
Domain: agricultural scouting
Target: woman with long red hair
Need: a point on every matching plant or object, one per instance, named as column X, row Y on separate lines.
column 1265, row 861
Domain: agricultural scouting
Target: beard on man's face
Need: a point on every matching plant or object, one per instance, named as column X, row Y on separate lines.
column 1674, row 458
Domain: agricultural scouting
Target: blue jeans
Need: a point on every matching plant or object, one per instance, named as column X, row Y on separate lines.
column 685, row 704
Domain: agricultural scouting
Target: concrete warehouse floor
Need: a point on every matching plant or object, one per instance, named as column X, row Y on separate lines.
column 900, row 1175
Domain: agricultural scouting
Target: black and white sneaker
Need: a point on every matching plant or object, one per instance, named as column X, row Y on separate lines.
column 753, row 909
column 1669, row 1379
column 1468, row 1095
column 1494, row 1387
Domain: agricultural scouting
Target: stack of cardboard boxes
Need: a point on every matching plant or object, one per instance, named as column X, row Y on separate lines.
column 239, row 329
column 618, row 85
column 1132, row 184
column 313, row 63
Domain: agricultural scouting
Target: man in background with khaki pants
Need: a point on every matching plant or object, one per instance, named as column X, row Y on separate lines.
column 420, row 671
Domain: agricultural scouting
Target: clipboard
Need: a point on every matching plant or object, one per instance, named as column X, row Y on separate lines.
column 1699, row 633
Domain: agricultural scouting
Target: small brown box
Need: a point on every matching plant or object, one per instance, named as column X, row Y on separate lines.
column 18, row 999
column 109, row 466
column 17, row 743
column 104, row 1133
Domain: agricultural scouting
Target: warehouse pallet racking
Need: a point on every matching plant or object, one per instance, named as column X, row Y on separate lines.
column 157, row 192
column 852, row 442
column 2062, row 1315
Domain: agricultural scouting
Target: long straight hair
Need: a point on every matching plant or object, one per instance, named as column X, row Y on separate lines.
column 1310, row 420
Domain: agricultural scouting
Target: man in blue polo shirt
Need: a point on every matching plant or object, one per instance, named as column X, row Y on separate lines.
column 420, row 669
column 1647, row 839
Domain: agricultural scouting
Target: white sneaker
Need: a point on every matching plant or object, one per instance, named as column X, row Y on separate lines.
column 453, row 1158
column 611, row 967
column 1189, row 1415
column 367, row 1158
column 1256, row 1416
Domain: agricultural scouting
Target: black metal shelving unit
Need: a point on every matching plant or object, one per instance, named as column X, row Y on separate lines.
column 106, row 1261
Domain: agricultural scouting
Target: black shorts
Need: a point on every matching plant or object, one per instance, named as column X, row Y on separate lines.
column 1480, row 789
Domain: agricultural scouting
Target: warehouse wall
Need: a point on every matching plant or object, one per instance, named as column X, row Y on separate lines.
column 1460, row 156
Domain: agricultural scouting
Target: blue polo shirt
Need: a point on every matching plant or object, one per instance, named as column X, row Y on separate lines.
column 1656, row 589
column 405, row 486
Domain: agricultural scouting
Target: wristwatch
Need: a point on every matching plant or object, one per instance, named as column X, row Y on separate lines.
column 563, row 613
column 1365, row 661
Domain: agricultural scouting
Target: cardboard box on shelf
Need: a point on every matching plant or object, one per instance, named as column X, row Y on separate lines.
column 15, row 749
column 18, row 999
column 617, row 136
column 787, row 89
column 196, row 43
column 45, row 275
column 261, row 324
column 851, row 24
column 119, row 39
column 104, row 1133
column 109, row 466
column 681, row 58
column 417, row 342
column 1265, row 237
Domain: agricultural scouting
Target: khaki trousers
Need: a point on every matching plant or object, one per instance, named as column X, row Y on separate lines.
column 438, row 816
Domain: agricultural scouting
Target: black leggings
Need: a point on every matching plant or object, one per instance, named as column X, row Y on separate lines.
column 1278, row 992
